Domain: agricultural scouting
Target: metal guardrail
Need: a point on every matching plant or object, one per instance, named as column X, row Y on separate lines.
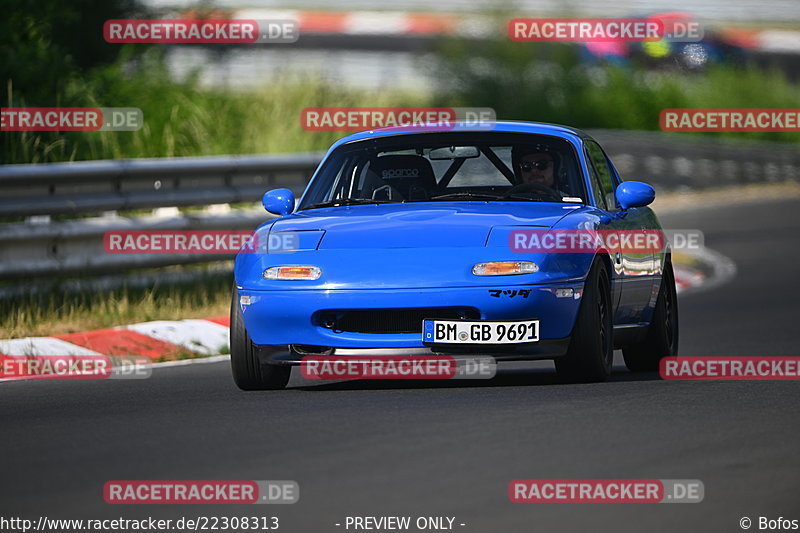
column 76, row 246
column 672, row 161
column 40, row 246
column 96, row 186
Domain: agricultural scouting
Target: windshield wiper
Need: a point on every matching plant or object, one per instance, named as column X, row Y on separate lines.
column 348, row 201
column 523, row 198
column 476, row 195
column 486, row 196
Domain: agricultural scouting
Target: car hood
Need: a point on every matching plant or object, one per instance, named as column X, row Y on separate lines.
column 456, row 224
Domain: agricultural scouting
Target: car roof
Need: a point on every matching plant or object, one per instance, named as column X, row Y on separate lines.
column 501, row 126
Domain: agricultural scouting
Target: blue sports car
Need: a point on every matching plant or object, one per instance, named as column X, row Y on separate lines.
column 457, row 243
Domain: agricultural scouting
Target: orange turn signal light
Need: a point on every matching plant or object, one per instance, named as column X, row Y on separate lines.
column 504, row 268
column 293, row 272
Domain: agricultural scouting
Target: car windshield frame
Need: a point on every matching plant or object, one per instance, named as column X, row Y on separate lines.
column 331, row 174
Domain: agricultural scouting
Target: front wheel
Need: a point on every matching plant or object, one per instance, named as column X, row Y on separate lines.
column 591, row 354
column 248, row 371
column 662, row 334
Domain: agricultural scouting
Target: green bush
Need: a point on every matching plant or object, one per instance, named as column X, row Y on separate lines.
column 181, row 119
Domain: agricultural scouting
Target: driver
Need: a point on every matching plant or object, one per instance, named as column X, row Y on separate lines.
column 535, row 165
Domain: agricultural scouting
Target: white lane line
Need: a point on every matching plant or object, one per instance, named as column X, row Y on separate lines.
column 166, row 364
column 185, row 362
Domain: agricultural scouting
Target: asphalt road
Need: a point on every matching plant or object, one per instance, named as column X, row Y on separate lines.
column 426, row 449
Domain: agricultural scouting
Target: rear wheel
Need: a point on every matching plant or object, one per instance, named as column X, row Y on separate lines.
column 591, row 354
column 662, row 334
column 248, row 371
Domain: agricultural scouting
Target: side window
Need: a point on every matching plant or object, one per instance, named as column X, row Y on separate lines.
column 604, row 172
column 597, row 190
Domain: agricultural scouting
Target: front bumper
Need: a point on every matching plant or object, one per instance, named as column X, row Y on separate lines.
column 278, row 319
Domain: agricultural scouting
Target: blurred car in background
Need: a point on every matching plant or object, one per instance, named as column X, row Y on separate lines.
column 714, row 47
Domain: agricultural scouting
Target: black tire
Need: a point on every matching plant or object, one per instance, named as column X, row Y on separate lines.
column 248, row 372
column 662, row 334
column 590, row 355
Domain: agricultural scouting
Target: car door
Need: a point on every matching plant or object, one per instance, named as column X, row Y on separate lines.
column 634, row 267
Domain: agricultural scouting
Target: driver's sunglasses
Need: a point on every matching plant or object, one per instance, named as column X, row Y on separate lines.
column 527, row 166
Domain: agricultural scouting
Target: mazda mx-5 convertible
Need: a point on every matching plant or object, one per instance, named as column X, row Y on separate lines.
column 457, row 243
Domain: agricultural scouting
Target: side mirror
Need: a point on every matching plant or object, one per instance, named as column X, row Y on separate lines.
column 278, row 201
column 634, row 194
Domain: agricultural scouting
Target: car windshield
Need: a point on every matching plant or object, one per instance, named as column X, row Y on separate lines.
column 449, row 167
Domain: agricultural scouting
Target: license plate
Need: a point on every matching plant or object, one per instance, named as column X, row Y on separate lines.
column 480, row 332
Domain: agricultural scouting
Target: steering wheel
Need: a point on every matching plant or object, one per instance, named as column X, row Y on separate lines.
column 533, row 187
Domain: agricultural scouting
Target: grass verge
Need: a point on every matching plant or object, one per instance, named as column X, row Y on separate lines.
column 55, row 312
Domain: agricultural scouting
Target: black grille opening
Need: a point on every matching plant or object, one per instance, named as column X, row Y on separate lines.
column 388, row 320
column 307, row 349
